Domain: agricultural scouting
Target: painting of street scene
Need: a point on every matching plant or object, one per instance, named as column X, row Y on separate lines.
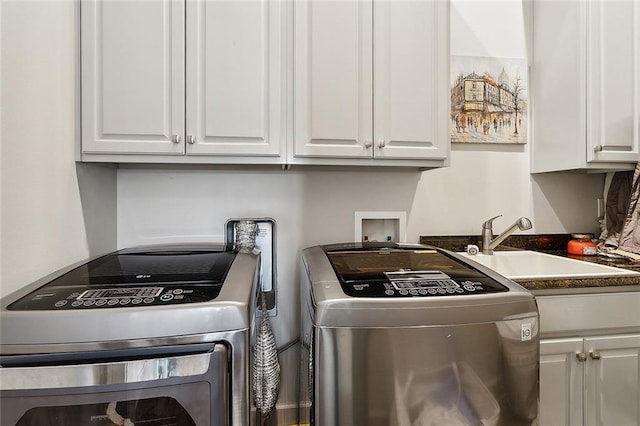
column 488, row 100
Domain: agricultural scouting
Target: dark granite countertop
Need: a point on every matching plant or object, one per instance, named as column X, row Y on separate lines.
column 552, row 244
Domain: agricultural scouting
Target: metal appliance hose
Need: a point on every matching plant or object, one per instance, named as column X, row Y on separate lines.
column 266, row 368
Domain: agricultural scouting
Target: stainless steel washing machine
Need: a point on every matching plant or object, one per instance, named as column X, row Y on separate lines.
column 152, row 335
column 413, row 335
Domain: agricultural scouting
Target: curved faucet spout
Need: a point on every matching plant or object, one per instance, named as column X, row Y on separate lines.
column 487, row 233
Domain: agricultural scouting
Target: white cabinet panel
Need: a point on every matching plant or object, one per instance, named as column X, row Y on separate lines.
column 333, row 78
column 590, row 380
column 161, row 75
column 558, row 82
column 561, row 382
column 613, row 80
column 132, row 76
column 585, row 85
column 613, row 380
column 371, row 82
column 411, row 80
column 234, row 78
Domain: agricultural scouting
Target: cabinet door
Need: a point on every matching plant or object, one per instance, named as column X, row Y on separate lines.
column 333, row 97
column 561, row 382
column 411, row 79
column 613, row 80
column 558, row 82
column 132, row 76
column 234, row 77
column 613, row 380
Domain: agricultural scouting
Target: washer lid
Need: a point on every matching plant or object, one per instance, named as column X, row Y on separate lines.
column 330, row 306
column 405, row 271
column 151, row 275
column 29, row 330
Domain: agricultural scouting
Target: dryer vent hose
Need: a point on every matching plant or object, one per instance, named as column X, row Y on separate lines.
column 266, row 368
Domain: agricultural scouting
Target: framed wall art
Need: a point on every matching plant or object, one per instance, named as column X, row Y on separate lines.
column 488, row 100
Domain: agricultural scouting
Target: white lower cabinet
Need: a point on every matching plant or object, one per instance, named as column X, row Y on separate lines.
column 590, row 380
column 561, row 382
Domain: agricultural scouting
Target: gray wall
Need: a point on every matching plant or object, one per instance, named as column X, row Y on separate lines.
column 53, row 212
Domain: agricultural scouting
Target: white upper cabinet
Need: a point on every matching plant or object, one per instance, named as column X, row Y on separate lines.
column 200, row 79
column 613, row 80
column 411, row 79
column 265, row 81
column 371, row 83
column 586, row 85
column 234, row 78
column 333, row 78
column 132, row 77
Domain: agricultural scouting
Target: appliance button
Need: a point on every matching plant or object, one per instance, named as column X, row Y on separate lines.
column 450, row 290
column 413, row 292
column 112, row 302
column 136, row 301
column 125, row 301
column 432, row 291
column 469, row 287
column 178, row 291
column 148, row 300
column 101, row 302
column 459, row 290
column 422, row 291
column 89, row 302
column 403, row 292
column 441, row 290
column 76, row 303
column 388, row 292
column 166, row 297
column 60, row 303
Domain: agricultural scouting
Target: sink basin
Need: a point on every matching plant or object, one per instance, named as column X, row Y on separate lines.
column 522, row 265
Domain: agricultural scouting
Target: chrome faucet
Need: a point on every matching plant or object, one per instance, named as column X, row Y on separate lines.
column 487, row 233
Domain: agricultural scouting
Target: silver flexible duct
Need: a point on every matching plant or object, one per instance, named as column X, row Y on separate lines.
column 266, row 368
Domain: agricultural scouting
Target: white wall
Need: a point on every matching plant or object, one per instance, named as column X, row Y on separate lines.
column 487, row 180
column 309, row 207
column 317, row 206
column 53, row 213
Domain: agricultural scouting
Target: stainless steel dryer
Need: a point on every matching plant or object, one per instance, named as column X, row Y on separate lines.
column 153, row 335
column 414, row 335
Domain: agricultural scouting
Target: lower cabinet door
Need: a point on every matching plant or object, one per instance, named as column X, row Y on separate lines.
column 612, row 378
column 561, row 382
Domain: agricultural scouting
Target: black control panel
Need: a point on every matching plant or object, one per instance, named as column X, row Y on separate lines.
column 65, row 299
column 421, row 287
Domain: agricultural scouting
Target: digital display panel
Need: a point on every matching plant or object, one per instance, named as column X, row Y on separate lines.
column 109, row 293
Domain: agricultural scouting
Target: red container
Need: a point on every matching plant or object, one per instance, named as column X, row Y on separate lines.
column 582, row 245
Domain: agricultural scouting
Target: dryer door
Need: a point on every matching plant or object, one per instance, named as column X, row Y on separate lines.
column 189, row 387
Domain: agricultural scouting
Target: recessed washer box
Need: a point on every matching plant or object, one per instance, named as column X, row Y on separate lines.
column 380, row 226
